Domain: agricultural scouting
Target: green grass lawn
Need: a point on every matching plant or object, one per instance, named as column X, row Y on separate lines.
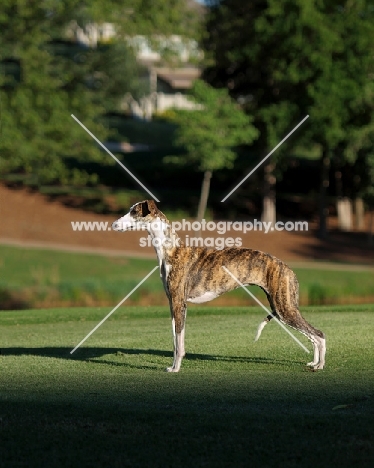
column 41, row 278
column 235, row 403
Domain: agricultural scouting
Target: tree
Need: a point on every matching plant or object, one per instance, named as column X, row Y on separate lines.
column 37, row 130
column 145, row 17
column 341, row 96
column 290, row 58
column 157, row 22
column 246, row 54
column 369, row 195
column 56, row 79
column 211, row 132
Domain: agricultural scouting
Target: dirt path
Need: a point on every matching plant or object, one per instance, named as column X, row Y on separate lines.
column 31, row 219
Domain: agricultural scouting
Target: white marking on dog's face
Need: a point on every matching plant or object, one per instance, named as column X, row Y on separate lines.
column 134, row 220
column 206, row 297
column 128, row 223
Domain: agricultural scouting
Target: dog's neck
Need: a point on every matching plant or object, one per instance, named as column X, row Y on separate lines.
column 164, row 238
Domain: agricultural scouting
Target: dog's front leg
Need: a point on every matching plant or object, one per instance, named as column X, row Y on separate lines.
column 178, row 311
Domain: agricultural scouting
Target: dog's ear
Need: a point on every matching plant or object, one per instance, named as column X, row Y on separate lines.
column 152, row 206
column 147, row 207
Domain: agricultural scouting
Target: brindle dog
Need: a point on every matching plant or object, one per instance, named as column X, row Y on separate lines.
column 195, row 274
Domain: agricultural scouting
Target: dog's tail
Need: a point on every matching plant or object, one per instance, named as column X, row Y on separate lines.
column 262, row 326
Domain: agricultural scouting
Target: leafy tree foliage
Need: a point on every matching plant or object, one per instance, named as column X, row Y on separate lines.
column 37, row 130
column 44, row 79
column 289, row 58
column 157, row 21
column 211, row 132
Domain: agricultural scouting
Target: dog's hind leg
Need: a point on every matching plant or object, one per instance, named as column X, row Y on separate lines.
column 296, row 320
column 316, row 354
column 286, row 302
column 178, row 313
column 318, row 349
column 268, row 318
column 319, row 345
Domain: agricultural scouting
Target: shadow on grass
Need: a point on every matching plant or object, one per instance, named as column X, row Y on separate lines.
column 81, row 435
column 90, row 354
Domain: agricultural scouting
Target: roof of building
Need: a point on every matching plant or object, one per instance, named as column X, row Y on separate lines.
column 178, row 78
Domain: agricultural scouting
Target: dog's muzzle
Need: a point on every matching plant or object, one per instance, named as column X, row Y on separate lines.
column 123, row 226
column 117, row 226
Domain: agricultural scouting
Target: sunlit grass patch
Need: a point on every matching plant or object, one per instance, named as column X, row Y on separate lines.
column 31, row 278
column 234, row 403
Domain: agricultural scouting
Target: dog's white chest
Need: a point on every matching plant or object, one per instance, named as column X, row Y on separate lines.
column 206, row 297
column 165, row 269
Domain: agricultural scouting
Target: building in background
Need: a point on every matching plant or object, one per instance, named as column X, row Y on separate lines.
column 168, row 84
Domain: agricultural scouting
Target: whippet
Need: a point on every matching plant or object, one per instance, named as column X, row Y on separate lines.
column 195, row 274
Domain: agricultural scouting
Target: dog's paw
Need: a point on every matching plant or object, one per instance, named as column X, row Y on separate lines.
column 171, row 369
column 312, row 364
column 318, row 366
column 315, row 365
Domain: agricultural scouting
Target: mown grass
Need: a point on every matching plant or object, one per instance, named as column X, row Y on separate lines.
column 41, row 278
column 234, row 403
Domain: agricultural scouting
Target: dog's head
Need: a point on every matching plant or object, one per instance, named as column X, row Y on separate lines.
column 139, row 217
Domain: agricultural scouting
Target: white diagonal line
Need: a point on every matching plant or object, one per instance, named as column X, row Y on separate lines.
column 267, row 310
column 113, row 310
column 265, row 158
column 116, row 159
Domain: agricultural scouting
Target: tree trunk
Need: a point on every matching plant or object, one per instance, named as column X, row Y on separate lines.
column 204, row 195
column 343, row 205
column 324, row 185
column 371, row 226
column 338, row 184
column 359, row 214
column 269, row 199
column 344, row 209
